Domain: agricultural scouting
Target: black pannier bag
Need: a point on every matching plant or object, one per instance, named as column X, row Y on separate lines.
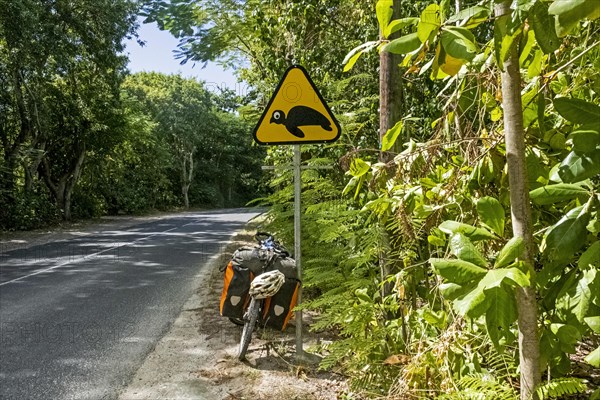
column 246, row 263
column 235, row 298
column 278, row 309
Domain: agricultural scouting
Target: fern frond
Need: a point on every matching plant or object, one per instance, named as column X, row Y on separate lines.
column 561, row 387
column 481, row 387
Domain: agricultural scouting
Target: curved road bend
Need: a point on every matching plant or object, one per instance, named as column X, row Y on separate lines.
column 78, row 317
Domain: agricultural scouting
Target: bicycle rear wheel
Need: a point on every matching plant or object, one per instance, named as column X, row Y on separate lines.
column 250, row 321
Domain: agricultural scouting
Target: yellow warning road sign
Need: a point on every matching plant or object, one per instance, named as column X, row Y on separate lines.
column 297, row 113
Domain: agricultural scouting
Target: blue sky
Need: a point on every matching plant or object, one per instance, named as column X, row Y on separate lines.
column 157, row 55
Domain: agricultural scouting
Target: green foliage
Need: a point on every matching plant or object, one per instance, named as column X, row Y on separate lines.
column 391, row 136
column 403, row 45
column 77, row 139
column 469, row 231
column 61, row 66
column 562, row 168
column 560, row 387
column 491, row 213
column 481, row 387
column 570, row 12
column 557, row 193
column 408, row 257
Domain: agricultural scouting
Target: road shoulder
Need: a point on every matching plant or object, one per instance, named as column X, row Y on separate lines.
column 196, row 358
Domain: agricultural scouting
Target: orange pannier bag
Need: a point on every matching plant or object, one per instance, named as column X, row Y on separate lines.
column 279, row 309
column 236, row 285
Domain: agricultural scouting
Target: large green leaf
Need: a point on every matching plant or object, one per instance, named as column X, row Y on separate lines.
column 359, row 167
column 476, row 302
column 565, row 283
column 462, row 248
column 385, row 11
column 535, row 67
column 530, row 107
column 510, row 252
column 525, row 50
column 517, row 276
column 567, row 236
column 577, row 110
column 471, row 17
column 496, row 277
column 352, row 57
column 591, row 257
column 492, row 214
column 469, row 231
column 581, row 300
column 594, row 323
column 543, row 26
column 430, row 22
column 457, row 271
column 594, row 358
column 504, row 39
column 585, row 141
column 459, row 43
column 585, row 294
column 452, row 291
column 399, row 24
column 578, row 167
column 447, row 64
column 567, row 336
column 390, row 137
column 558, row 193
column 502, row 312
column 403, row 45
column 570, row 12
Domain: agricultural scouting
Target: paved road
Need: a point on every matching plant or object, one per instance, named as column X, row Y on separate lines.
column 78, row 317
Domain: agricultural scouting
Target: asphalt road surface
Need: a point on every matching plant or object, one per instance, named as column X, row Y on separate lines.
column 79, row 316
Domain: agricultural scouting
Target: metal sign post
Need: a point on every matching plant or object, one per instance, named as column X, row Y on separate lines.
column 298, row 243
column 297, row 114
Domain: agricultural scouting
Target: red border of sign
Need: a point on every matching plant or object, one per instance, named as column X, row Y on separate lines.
column 335, row 122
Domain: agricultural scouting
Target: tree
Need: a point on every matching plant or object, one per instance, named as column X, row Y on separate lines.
column 182, row 111
column 63, row 70
column 520, row 205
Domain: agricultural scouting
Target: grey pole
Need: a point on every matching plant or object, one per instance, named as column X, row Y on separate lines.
column 297, row 244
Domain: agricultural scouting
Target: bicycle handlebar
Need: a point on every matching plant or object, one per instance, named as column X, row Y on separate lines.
column 267, row 240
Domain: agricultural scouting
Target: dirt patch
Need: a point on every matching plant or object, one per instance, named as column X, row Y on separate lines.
column 196, row 359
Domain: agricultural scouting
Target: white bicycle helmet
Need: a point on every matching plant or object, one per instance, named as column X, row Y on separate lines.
column 267, row 284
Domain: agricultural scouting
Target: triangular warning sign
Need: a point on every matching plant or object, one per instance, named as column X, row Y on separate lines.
column 296, row 114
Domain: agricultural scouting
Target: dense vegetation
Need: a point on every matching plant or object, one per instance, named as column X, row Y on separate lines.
column 438, row 282
column 80, row 137
column 456, row 251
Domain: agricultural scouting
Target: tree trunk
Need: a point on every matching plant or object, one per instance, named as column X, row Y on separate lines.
column 187, row 173
column 72, row 181
column 32, row 168
column 390, row 87
column 62, row 190
column 390, row 112
column 529, row 350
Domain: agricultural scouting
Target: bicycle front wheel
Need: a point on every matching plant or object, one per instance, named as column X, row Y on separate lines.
column 250, row 321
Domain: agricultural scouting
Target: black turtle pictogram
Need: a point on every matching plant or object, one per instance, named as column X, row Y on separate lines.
column 300, row 116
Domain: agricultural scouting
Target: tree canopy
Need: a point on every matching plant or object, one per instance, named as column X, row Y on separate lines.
column 80, row 136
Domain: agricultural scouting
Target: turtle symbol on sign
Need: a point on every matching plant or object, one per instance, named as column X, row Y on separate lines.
column 300, row 116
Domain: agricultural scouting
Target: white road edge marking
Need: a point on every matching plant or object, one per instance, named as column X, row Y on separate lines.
column 92, row 255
